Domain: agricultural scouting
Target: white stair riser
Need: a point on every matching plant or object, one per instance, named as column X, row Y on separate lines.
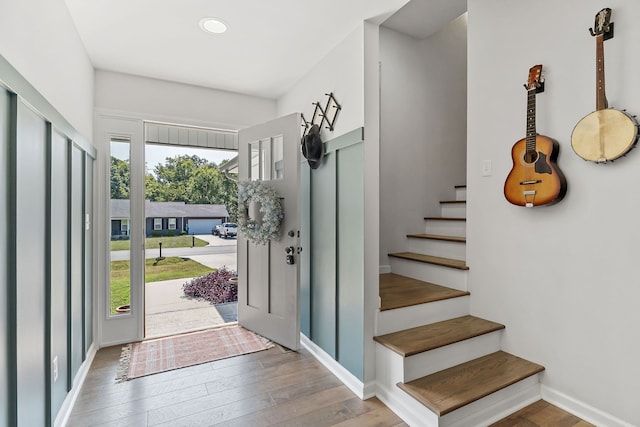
column 441, row 248
column 389, row 366
column 495, row 406
column 483, row 412
column 446, row 228
column 410, row 410
column 453, row 210
column 443, row 276
column 461, row 193
column 389, row 321
column 435, row 360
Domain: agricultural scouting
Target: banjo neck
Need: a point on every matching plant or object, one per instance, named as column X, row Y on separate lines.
column 601, row 97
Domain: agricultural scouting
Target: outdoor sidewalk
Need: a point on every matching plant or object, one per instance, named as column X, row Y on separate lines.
column 167, row 309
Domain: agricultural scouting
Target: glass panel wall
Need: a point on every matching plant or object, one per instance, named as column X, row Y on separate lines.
column 120, row 214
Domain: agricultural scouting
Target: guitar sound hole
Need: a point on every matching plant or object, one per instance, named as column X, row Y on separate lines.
column 530, row 157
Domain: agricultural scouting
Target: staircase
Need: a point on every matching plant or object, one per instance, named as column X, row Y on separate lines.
column 436, row 365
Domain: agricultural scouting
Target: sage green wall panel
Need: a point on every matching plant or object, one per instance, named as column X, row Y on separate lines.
column 77, row 258
column 30, row 267
column 88, row 254
column 4, row 274
column 59, row 254
column 350, row 172
column 323, row 249
column 305, row 256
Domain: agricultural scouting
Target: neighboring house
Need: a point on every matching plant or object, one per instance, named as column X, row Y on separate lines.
column 168, row 218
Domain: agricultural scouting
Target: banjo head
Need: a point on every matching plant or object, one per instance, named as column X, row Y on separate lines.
column 604, row 135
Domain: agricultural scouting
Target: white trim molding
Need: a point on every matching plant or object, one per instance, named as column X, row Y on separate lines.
column 67, row 406
column 360, row 389
column 580, row 409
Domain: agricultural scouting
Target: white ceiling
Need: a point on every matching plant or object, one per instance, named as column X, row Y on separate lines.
column 270, row 44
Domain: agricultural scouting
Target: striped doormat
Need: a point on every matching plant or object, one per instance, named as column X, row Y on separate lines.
column 179, row 351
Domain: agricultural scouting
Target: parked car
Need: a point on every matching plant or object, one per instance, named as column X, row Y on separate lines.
column 228, row 229
column 216, row 230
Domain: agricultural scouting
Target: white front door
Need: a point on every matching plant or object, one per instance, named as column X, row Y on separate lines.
column 268, row 282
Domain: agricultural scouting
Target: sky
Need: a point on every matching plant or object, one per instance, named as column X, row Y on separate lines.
column 155, row 154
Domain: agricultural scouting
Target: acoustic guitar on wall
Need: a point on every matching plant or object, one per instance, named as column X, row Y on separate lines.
column 535, row 179
column 605, row 134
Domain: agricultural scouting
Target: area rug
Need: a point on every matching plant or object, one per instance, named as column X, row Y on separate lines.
column 179, row 351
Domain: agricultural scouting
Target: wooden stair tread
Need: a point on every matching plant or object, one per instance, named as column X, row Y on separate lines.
column 430, row 259
column 399, row 291
column 450, row 389
column 428, row 337
column 438, row 237
column 445, row 202
column 443, row 218
column 460, row 186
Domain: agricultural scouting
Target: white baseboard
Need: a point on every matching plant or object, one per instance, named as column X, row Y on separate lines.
column 360, row 389
column 580, row 409
column 385, row 269
column 67, row 406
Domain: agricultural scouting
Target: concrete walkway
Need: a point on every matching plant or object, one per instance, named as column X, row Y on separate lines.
column 168, row 311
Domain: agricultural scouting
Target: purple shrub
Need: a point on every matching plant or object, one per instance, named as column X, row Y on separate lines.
column 213, row 287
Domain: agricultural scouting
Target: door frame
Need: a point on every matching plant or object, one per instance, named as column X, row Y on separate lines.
column 127, row 327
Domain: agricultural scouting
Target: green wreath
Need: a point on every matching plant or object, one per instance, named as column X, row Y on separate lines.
column 259, row 231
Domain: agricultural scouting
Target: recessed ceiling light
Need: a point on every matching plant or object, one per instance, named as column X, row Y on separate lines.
column 213, row 25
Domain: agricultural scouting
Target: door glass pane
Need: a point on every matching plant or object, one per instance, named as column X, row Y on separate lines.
column 265, row 159
column 254, row 161
column 277, row 157
column 120, row 212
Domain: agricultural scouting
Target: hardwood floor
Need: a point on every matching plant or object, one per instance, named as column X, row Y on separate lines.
column 542, row 414
column 268, row 388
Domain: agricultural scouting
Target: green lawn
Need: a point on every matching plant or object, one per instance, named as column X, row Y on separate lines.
column 155, row 271
column 152, row 243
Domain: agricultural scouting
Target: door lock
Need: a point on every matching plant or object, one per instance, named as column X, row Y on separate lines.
column 290, row 250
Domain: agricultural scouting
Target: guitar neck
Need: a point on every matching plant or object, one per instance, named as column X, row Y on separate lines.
column 601, row 97
column 531, row 120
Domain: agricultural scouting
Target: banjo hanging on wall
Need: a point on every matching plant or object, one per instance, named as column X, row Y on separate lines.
column 535, row 179
column 605, row 134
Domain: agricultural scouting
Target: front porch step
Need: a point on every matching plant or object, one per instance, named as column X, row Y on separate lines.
column 447, row 226
column 406, row 303
column 410, row 342
column 430, row 259
column 448, row 390
column 443, row 246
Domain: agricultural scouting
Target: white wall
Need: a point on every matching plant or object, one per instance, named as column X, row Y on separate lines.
column 350, row 71
column 340, row 72
column 422, row 127
column 153, row 99
column 563, row 279
column 38, row 38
